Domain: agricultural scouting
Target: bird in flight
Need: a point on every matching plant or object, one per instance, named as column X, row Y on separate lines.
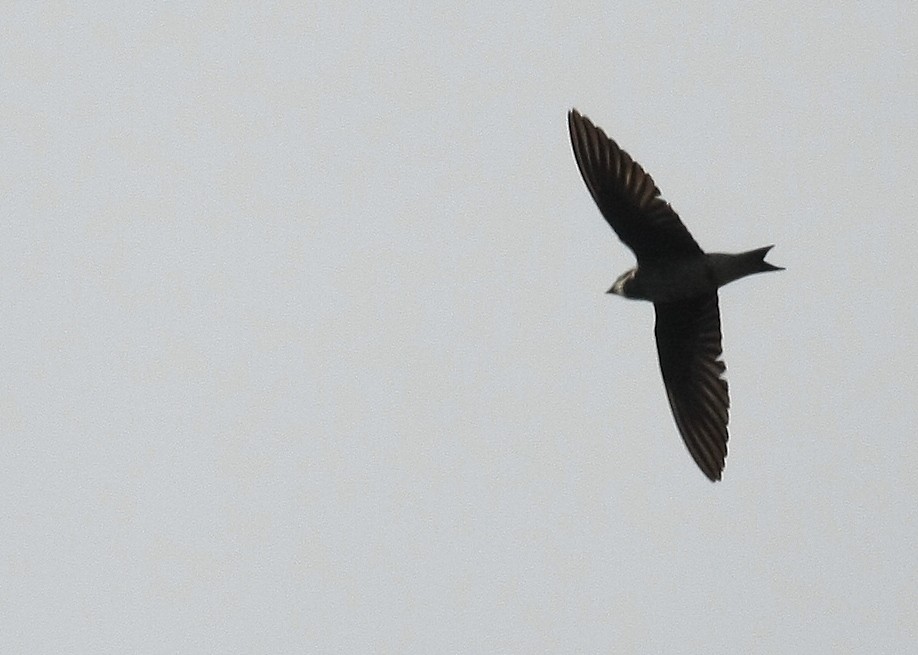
column 681, row 281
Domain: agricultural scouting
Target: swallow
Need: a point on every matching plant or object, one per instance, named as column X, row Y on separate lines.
column 679, row 278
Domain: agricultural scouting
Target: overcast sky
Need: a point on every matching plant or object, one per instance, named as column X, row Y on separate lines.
column 306, row 346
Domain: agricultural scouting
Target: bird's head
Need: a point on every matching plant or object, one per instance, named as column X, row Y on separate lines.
column 622, row 286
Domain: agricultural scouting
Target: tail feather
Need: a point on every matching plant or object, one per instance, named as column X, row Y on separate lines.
column 733, row 267
column 755, row 259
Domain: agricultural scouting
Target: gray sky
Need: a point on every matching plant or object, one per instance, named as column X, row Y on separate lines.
column 306, row 344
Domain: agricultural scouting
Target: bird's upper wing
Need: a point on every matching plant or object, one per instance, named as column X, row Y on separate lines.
column 627, row 196
column 688, row 343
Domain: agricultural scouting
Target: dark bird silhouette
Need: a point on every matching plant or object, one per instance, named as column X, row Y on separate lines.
column 679, row 278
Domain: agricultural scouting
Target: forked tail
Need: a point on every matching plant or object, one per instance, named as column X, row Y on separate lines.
column 732, row 267
column 754, row 261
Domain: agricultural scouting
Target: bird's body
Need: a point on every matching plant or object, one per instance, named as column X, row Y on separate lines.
column 680, row 279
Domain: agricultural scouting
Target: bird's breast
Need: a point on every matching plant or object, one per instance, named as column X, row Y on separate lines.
column 671, row 280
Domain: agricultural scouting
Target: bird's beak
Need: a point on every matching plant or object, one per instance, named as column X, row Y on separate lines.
column 611, row 289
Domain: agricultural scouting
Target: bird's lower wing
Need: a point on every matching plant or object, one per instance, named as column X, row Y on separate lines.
column 689, row 346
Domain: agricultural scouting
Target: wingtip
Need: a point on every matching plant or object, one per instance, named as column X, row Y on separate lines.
column 713, row 471
column 572, row 116
column 575, row 115
column 712, row 474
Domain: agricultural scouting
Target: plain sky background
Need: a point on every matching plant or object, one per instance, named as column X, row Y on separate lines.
column 306, row 347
